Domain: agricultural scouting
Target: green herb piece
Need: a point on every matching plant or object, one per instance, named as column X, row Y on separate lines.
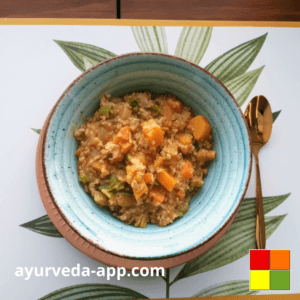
column 106, row 110
column 196, row 145
column 192, row 186
column 188, row 197
column 106, row 193
column 128, row 190
column 84, row 179
column 104, row 190
column 185, row 209
column 180, row 214
column 134, row 103
column 115, row 185
column 128, row 156
column 156, row 182
column 103, row 187
column 155, row 108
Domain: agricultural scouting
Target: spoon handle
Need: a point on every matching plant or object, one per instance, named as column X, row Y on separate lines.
column 260, row 219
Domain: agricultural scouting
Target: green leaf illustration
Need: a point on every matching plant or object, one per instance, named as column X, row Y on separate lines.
column 193, row 42
column 43, row 225
column 38, row 131
column 87, row 63
column 236, row 61
column 235, row 244
column 248, row 206
column 79, row 52
column 94, row 291
column 229, row 288
column 151, row 39
column 241, row 86
column 276, row 115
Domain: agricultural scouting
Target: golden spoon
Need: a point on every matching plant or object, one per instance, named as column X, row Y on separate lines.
column 259, row 117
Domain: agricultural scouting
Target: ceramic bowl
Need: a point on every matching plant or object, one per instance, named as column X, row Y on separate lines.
column 211, row 209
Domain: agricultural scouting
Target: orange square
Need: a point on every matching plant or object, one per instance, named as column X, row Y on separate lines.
column 280, row 259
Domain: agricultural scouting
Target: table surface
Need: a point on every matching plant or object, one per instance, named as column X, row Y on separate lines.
column 225, row 10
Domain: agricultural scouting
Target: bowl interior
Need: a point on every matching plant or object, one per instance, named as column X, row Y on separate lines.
column 223, row 188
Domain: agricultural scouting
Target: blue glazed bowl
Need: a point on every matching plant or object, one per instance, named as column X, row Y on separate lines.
column 224, row 187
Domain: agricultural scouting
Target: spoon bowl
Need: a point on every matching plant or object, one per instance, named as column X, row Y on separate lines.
column 260, row 120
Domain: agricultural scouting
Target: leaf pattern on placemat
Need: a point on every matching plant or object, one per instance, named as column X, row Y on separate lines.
column 193, row 42
column 42, row 225
column 87, row 63
column 241, row 86
column 38, row 131
column 151, row 38
column 235, row 244
column 80, row 53
column 238, row 240
column 229, row 288
column 236, row 61
column 276, row 115
column 248, row 206
column 94, row 291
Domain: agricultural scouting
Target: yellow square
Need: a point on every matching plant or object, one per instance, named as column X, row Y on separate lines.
column 259, row 280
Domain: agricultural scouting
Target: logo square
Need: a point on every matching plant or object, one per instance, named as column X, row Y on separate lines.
column 280, row 280
column 259, row 280
column 259, row 259
column 280, row 259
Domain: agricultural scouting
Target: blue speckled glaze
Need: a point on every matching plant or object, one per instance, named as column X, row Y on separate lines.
column 223, row 188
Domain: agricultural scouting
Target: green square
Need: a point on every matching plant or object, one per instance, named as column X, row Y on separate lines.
column 280, row 280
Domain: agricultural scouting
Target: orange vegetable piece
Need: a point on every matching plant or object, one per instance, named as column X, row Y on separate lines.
column 176, row 105
column 185, row 139
column 166, row 180
column 123, row 135
column 97, row 166
column 125, row 147
column 187, row 170
column 181, row 194
column 148, row 178
column 153, row 133
column 122, row 139
column 158, row 162
column 206, row 155
column 139, row 188
column 131, row 171
column 78, row 151
column 157, row 194
column 200, row 127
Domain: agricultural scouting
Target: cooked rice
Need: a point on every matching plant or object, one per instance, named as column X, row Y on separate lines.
column 112, row 164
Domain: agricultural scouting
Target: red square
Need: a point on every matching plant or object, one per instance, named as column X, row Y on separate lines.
column 259, row 259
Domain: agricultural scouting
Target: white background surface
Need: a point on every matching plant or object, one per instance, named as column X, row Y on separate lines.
column 34, row 72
